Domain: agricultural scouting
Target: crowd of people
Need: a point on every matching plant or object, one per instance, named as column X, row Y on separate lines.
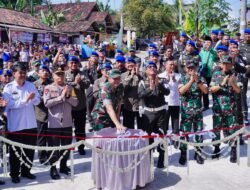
column 49, row 90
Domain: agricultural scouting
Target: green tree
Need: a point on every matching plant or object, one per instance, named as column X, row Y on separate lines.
column 52, row 18
column 148, row 17
column 20, row 5
column 211, row 14
column 105, row 7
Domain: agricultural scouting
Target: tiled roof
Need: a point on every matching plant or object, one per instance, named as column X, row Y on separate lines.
column 76, row 27
column 100, row 17
column 12, row 17
column 71, row 11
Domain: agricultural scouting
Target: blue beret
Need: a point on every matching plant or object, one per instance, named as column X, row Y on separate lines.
column 106, row 65
column 7, row 72
column 192, row 43
column 94, row 53
column 153, row 53
column 46, row 48
column 46, row 60
column 222, row 47
column 247, row 31
column 120, row 51
column 183, row 34
column 233, row 42
column 221, row 32
column 151, row 63
column 215, row 32
column 120, row 58
column 152, row 46
column 45, row 67
column 131, row 59
column 73, row 58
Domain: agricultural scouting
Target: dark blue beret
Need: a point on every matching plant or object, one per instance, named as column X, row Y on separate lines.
column 73, row 58
column 131, row 59
column 191, row 42
column 215, row 32
column 121, row 52
column 120, row 58
column 222, row 47
column 152, row 46
column 153, row 53
column 233, row 42
column 106, row 65
column 94, row 53
column 247, row 31
column 151, row 63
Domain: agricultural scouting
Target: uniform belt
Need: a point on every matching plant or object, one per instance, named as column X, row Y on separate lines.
column 155, row 109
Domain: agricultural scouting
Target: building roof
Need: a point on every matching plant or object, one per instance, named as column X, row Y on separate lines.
column 76, row 27
column 16, row 18
column 71, row 11
column 101, row 17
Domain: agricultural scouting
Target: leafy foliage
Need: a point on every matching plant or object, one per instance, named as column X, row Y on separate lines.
column 148, row 17
column 211, row 14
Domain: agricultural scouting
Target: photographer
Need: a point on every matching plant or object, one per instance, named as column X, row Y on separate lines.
column 225, row 91
column 208, row 57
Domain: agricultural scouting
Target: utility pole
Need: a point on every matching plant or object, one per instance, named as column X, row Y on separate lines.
column 243, row 11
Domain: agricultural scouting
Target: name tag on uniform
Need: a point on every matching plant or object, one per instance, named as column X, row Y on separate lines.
column 54, row 93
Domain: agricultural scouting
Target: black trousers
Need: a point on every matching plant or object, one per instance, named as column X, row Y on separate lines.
column 57, row 141
column 244, row 97
column 15, row 164
column 153, row 121
column 79, row 119
column 173, row 112
column 205, row 96
column 42, row 140
column 129, row 119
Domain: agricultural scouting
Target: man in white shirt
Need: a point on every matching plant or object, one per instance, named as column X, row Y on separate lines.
column 21, row 96
column 173, row 99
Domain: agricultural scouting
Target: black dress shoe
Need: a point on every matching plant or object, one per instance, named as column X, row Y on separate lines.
column 65, row 170
column 53, row 173
column 15, row 180
column 28, row 175
column 2, row 182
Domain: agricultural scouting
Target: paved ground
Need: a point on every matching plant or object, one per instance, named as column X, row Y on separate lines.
column 213, row 175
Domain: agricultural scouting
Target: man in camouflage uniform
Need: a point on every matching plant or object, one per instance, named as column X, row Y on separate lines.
column 191, row 89
column 245, row 52
column 106, row 112
column 187, row 55
column 98, row 84
column 225, row 91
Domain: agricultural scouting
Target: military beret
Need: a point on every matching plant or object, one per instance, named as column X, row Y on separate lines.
column 226, row 59
column 73, row 58
column 191, row 42
column 153, row 53
column 94, row 53
column 183, row 34
column 221, row 32
column 46, row 48
column 120, row 52
column 131, row 59
column 222, row 47
column 120, row 58
column 114, row 73
column 106, row 65
column 233, row 42
column 45, row 67
column 247, row 31
column 152, row 46
column 46, row 60
column 215, row 32
column 150, row 64
column 6, row 57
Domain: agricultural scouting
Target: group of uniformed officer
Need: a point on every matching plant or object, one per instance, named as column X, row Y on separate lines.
column 141, row 92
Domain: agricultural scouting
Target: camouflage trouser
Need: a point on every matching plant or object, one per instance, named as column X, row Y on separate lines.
column 221, row 120
column 188, row 122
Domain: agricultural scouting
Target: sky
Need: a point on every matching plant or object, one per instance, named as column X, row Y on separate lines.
column 116, row 4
